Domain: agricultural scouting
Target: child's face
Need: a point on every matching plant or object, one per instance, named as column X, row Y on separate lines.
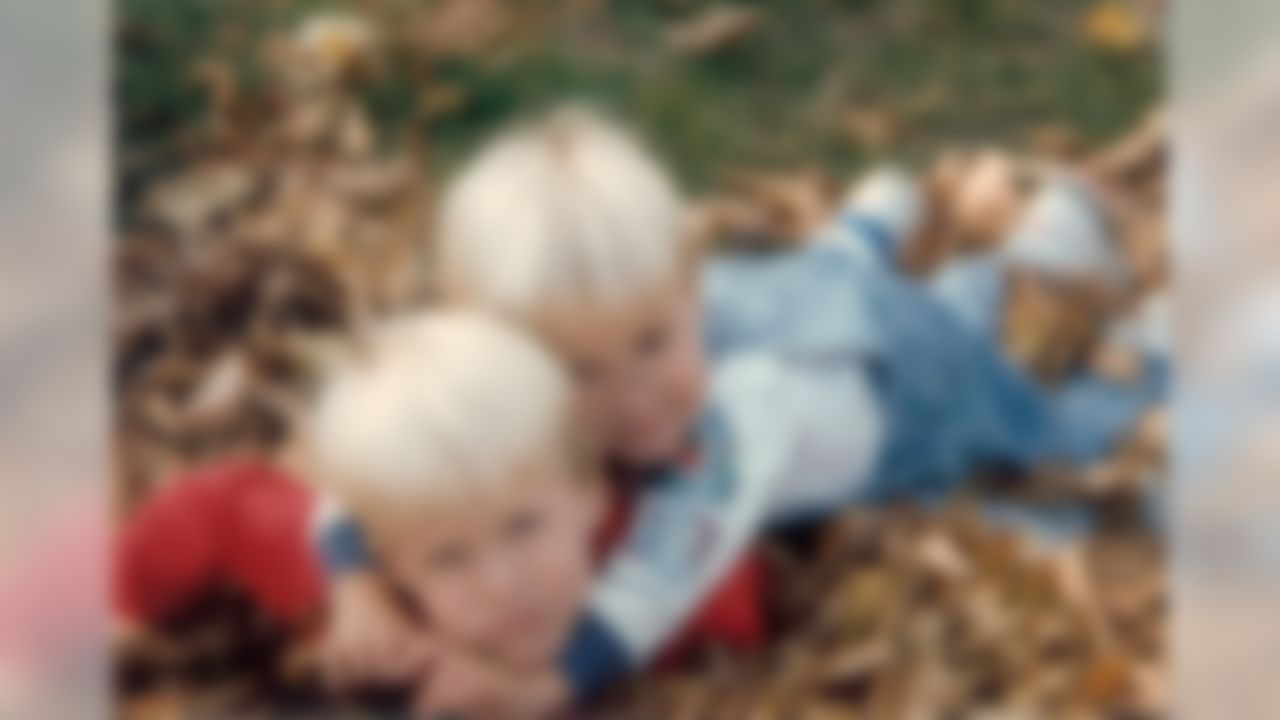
column 640, row 373
column 503, row 574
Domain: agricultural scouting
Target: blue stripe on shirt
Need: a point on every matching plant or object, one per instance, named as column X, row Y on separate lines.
column 343, row 547
column 593, row 659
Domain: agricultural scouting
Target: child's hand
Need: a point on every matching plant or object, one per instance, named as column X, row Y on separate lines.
column 369, row 640
column 461, row 686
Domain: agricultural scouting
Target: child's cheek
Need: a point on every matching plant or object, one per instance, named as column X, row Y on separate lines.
column 694, row 373
column 562, row 561
column 457, row 613
column 571, row 586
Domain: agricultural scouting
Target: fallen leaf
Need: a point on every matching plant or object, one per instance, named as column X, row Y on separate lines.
column 189, row 202
column 873, row 129
column 332, row 47
column 441, row 100
column 1116, row 26
column 1055, row 141
column 715, row 29
column 796, row 204
column 462, row 29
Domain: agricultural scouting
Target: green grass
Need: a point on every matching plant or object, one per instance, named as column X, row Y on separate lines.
column 951, row 71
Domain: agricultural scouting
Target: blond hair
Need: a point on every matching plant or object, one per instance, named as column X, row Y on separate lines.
column 564, row 211
column 434, row 408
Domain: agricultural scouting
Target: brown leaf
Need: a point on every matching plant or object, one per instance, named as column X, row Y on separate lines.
column 854, row 664
column 1118, row 363
column 462, row 28
column 223, row 388
column 355, row 133
column 872, row 128
column 1117, row 26
column 1051, row 328
column 189, row 202
column 1055, row 141
column 1107, row 682
column 795, row 204
column 824, row 710
column 219, row 80
column 373, row 183
column 939, row 553
column 717, row 28
column 1142, row 148
column 332, row 47
column 727, row 222
column 311, row 121
column 442, row 100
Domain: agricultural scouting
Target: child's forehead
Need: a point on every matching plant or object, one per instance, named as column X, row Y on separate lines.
column 601, row 323
column 471, row 505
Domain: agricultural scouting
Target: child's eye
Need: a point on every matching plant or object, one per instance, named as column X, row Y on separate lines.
column 583, row 374
column 524, row 525
column 653, row 341
column 448, row 558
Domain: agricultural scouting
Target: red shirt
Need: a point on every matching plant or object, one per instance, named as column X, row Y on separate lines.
column 242, row 523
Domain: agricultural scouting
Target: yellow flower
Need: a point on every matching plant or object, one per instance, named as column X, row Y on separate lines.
column 1115, row 25
column 336, row 43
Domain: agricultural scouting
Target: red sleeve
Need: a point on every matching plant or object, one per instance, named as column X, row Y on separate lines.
column 270, row 550
column 241, row 523
column 732, row 616
column 168, row 551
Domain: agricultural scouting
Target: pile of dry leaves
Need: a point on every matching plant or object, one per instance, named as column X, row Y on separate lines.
column 276, row 234
column 908, row 614
column 286, row 231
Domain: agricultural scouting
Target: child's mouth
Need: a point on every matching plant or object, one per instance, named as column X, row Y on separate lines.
column 524, row 622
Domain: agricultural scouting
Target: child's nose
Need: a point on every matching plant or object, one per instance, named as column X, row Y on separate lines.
column 638, row 394
column 498, row 572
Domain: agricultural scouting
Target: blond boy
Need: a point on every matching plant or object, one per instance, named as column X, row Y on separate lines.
column 450, row 440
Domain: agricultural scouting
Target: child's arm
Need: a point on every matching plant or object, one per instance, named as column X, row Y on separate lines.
column 234, row 522
column 788, row 436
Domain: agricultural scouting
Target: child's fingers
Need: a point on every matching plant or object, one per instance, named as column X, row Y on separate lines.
column 448, row 695
column 420, row 653
column 396, row 658
column 431, row 703
column 393, row 660
column 404, row 660
column 442, row 710
column 392, row 664
column 334, row 670
column 348, row 664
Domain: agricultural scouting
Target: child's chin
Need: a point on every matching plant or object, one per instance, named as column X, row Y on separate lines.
column 655, row 449
column 532, row 653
